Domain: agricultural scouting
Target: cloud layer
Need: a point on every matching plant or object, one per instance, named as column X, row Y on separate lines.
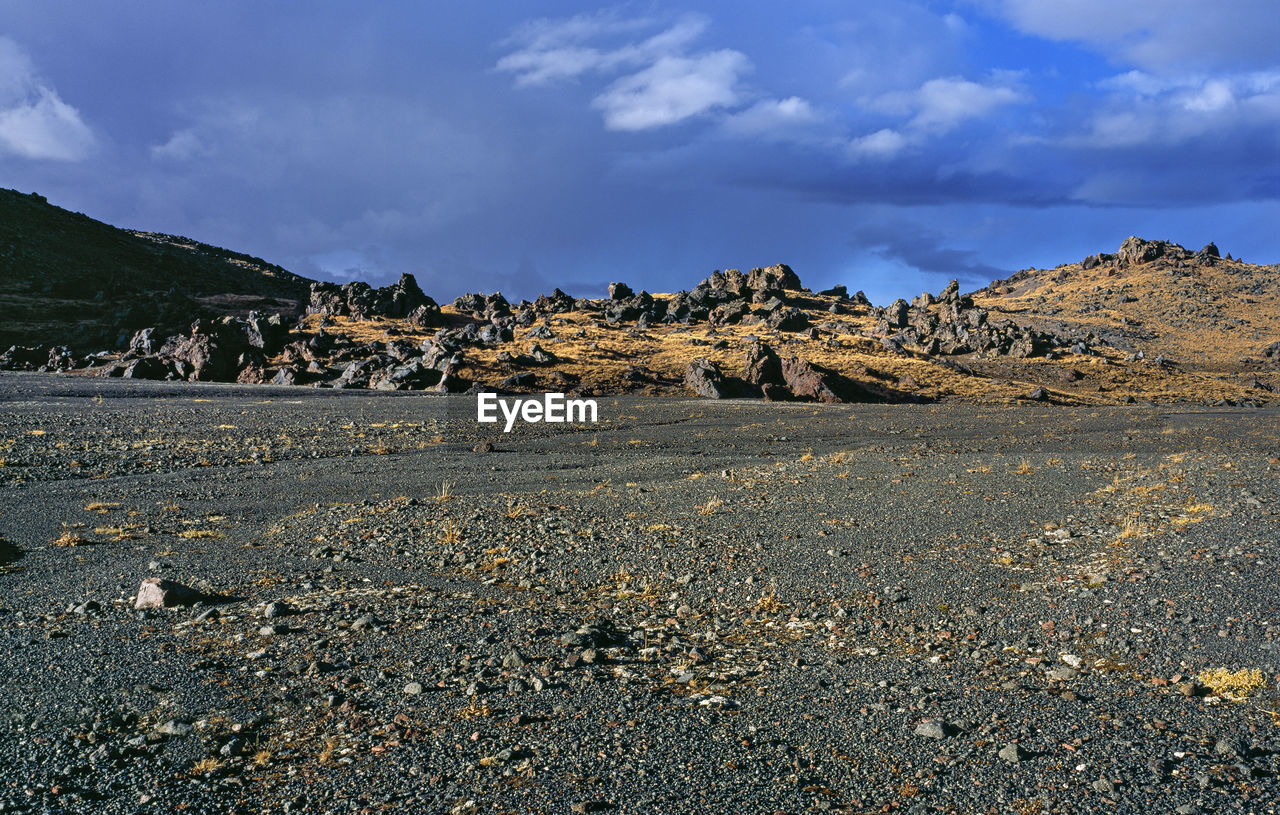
column 887, row 146
column 34, row 121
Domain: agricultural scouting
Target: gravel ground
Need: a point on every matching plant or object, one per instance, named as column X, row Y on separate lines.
column 691, row 606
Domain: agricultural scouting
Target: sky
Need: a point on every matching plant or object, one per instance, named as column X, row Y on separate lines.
column 515, row 146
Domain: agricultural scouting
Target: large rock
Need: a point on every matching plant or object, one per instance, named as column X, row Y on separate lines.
column 814, row 383
column 157, row 592
column 360, row 301
column 779, row 276
column 151, row 367
column 144, row 343
column 265, row 333
column 761, row 365
column 1136, row 251
column 619, row 291
column 787, row 319
column 703, row 377
column 22, row 357
column 208, row 354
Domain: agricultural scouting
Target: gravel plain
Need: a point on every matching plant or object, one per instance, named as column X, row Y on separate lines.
column 690, row 606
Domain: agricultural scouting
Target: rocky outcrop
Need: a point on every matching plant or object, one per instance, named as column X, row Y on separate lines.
column 761, row 366
column 703, row 377
column 779, row 276
column 813, row 383
column 950, row 324
column 361, row 301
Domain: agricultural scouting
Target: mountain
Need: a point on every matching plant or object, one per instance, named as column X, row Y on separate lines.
column 1202, row 310
column 1152, row 321
column 68, row 279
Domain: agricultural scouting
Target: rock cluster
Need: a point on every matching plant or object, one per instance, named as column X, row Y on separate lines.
column 951, row 324
column 227, row 350
column 768, row 376
column 758, row 297
column 359, row 300
column 1135, row 251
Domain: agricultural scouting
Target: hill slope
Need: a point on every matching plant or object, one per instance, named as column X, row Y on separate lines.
column 1196, row 308
column 68, row 279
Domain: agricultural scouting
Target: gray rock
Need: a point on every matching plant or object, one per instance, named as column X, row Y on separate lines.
column 174, row 727
column 1011, row 753
column 413, row 688
column 934, row 729
column 156, row 592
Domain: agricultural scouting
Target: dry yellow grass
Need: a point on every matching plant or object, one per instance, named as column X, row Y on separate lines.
column 450, row 532
column 70, row 538
column 1235, row 685
column 600, row 357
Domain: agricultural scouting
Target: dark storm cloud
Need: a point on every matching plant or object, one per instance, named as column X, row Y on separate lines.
column 885, row 145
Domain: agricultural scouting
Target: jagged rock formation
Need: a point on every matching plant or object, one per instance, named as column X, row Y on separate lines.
column 950, row 324
column 766, row 375
column 361, row 301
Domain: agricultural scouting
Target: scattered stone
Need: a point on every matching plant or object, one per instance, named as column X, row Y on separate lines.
column 157, row 592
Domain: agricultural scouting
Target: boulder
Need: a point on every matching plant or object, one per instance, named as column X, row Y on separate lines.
column 157, row 592
column 619, row 291
column 787, row 319
column 779, row 276
column 761, row 365
column 1135, row 250
column 425, row 316
column 22, row 357
column 150, row 367
column 288, row 375
column 144, row 343
column 895, row 314
column 703, row 377
column 810, row 382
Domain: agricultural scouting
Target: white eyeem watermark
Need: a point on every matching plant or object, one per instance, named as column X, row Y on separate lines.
column 550, row 407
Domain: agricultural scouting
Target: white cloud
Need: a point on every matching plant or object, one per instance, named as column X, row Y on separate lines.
column 943, row 103
column 662, row 81
column 1156, row 34
column 672, row 90
column 34, row 121
column 182, row 145
column 554, row 51
column 946, row 102
column 774, row 117
column 882, row 144
column 1146, row 110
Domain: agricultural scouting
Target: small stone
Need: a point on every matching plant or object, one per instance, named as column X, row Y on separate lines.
column 1103, row 786
column 1011, row 753
column 279, row 608
column 933, row 729
column 362, row 623
column 413, row 688
column 1230, row 747
column 173, row 727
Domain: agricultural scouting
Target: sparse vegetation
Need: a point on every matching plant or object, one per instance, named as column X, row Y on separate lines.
column 1236, row 685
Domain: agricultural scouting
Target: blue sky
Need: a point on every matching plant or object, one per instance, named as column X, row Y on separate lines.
column 890, row 146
